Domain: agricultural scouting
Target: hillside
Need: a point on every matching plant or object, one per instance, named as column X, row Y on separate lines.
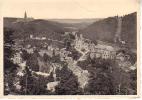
column 46, row 28
column 106, row 29
column 101, row 29
column 129, row 29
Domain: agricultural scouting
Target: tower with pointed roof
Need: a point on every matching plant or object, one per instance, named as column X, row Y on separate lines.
column 25, row 15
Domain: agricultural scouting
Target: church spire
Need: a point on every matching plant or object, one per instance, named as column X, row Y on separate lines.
column 25, row 15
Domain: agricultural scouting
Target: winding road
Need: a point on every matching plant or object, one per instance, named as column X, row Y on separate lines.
column 83, row 75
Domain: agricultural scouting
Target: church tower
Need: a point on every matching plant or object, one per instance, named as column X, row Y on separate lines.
column 25, row 15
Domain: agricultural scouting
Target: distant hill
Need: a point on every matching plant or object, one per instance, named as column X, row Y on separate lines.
column 35, row 27
column 85, row 20
column 75, row 24
column 105, row 29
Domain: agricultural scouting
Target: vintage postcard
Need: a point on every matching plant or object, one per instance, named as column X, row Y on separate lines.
column 70, row 48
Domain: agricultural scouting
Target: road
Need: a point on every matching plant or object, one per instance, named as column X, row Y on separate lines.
column 83, row 75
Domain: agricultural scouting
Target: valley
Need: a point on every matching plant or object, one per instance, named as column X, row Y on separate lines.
column 55, row 57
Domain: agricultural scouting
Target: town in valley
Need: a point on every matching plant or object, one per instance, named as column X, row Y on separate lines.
column 48, row 57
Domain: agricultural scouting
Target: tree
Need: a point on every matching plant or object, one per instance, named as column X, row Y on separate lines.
column 46, row 57
column 9, row 66
column 121, row 80
column 25, row 55
column 133, row 83
column 33, row 84
column 68, row 83
column 32, row 62
column 100, row 85
column 8, row 49
column 100, row 82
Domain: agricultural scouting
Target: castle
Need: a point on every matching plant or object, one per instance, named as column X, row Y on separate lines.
column 97, row 51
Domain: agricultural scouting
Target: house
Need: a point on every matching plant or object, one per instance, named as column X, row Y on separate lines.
column 37, row 37
column 133, row 67
column 43, row 38
column 30, row 50
column 17, row 58
column 126, row 65
column 31, row 36
column 51, row 85
column 95, row 55
column 22, row 65
column 104, row 51
column 64, row 54
column 122, row 56
column 122, row 59
column 82, row 44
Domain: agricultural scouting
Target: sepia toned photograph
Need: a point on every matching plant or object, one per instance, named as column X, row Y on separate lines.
column 70, row 47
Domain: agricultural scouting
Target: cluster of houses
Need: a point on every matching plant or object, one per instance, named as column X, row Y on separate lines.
column 98, row 51
column 95, row 51
column 37, row 37
column 104, row 51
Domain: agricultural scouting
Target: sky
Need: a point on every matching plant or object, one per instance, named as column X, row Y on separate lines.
column 69, row 9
